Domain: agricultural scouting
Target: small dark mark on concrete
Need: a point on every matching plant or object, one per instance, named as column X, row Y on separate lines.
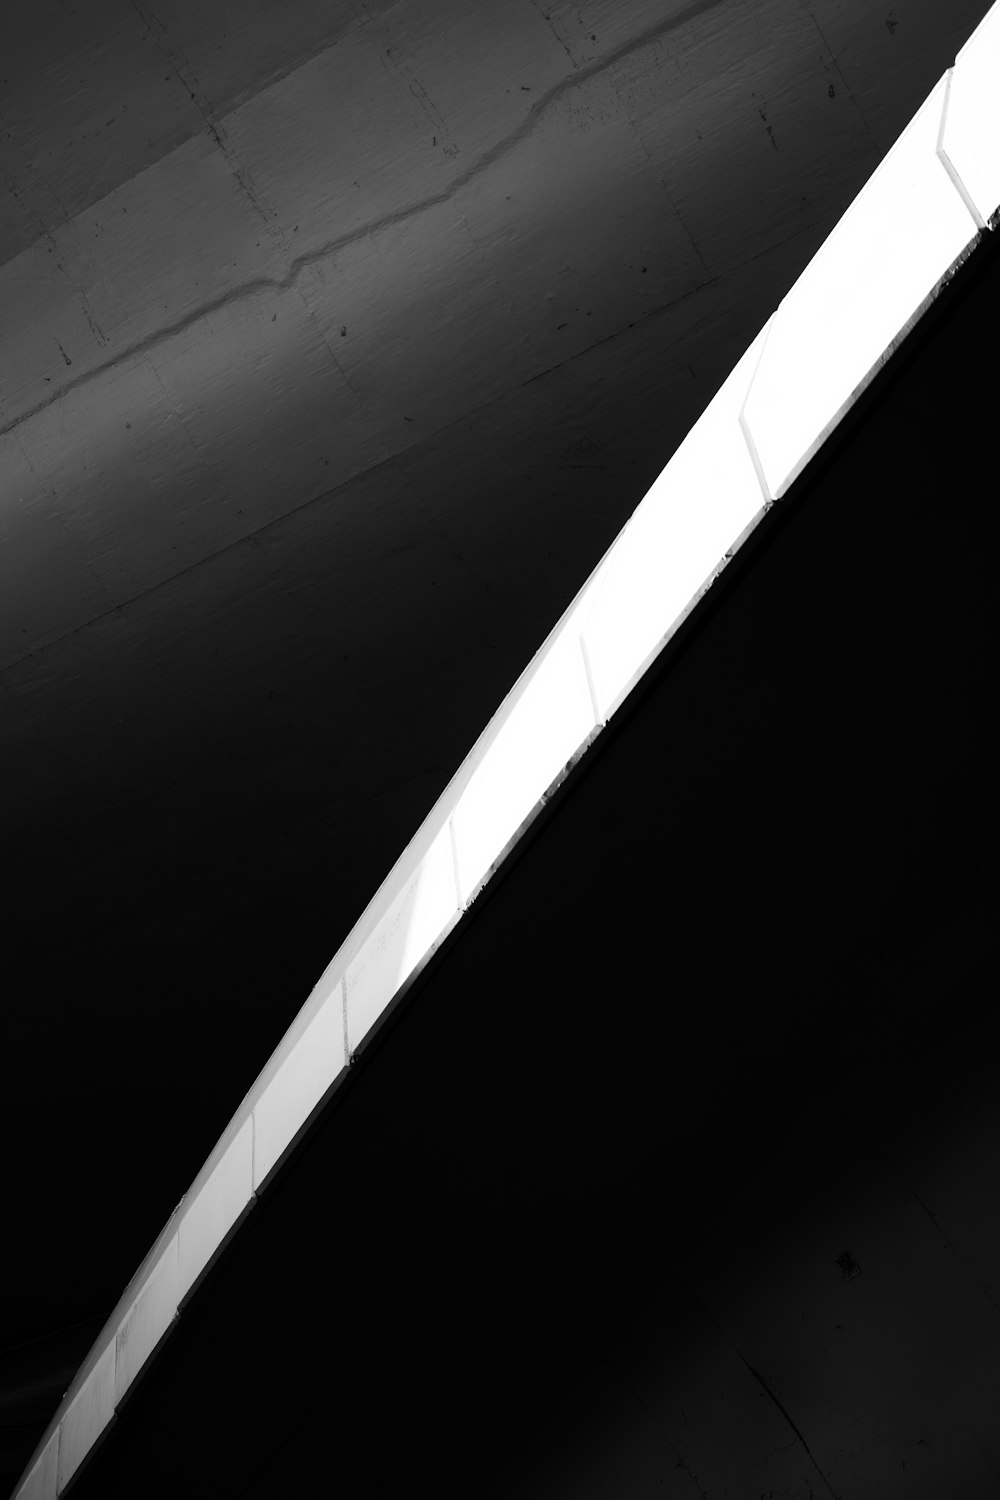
column 128, row 424
column 274, row 317
column 644, row 269
column 62, row 351
column 343, row 332
column 407, row 419
column 849, row 1267
column 561, row 327
column 525, row 89
column 891, row 23
column 831, row 92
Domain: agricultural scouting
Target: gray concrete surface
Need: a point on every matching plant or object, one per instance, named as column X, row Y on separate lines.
column 336, row 343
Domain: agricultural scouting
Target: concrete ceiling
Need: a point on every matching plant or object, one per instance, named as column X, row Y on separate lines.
column 674, row 1175
column 338, row 340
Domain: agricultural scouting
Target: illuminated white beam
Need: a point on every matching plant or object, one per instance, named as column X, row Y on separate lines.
column 858, row 298
column 912, row 224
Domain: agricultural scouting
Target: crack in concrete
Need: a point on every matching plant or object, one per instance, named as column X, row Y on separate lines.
column 758, row 1377
column 488, row 158
column 372, row 467
column 784, row 1412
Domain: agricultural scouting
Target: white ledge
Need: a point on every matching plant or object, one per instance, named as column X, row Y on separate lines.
column 858, row 297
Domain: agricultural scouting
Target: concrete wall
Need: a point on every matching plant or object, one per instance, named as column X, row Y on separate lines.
column 675, row 1175
column 244, row 551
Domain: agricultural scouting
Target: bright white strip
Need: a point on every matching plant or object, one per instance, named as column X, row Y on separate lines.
column 844, row 316
column 675, row 544
column 305, row 1075
column 406, row 934
column 87, row 1415
column 41, row 1480
column 857, row 299
column 543, row 724
column 147, row 1320
column 970, row 139
column 210, row 1213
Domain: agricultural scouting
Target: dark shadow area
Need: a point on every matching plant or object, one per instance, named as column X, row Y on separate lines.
column 682, row 1044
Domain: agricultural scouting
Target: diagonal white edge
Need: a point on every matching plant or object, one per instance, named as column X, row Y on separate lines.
column 707, row 500
column 870, row 281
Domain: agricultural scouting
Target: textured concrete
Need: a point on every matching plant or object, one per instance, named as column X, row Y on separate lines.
column 88, row 1416
column 148, row 1320
column 42, row 1481
column 675, row 1175
column 337, row 345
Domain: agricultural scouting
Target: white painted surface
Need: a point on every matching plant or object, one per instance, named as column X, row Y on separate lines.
column 971, row 134
column 148, row 1320
column 214, row 1208
column 856, row 299
column 671, row 549
column 309, row 1069
column 87, row 1415
column 41, row 1482
column 543, row 725
column 402, row 937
